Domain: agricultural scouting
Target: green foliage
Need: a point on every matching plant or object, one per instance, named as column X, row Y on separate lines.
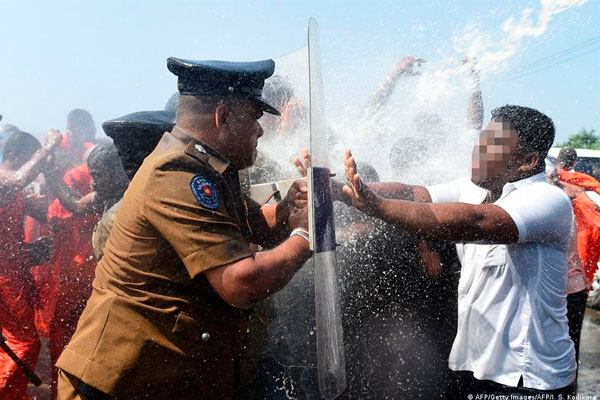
column 583, row 139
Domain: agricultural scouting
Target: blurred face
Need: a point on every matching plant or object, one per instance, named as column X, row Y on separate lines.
column 81, row 134
column 243, row 131
column 492, row 155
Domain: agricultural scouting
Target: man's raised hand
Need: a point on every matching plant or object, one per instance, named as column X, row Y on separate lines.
column 53, row 140
column 360, row 194
column 406, row 66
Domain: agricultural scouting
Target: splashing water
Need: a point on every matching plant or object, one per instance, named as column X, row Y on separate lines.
column 393, row 312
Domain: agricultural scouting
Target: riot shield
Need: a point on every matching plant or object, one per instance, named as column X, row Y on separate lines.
column 302, row 351
column 330, row 343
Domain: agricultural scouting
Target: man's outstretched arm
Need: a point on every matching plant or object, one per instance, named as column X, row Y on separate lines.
column 384, row 91
column 17, row 180
column 389, row 190
column 475, row 107
column 69, row 198
column 455, row 222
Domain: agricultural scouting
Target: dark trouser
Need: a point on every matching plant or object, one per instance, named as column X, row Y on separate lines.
column 575, row 312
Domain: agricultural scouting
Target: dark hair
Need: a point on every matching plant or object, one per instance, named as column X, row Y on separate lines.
column 104, row 156
column 535, row 129
column 567, row 157
column 21, row 144
column 81, row 120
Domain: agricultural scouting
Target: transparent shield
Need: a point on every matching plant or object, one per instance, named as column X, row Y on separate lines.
column 287, row 336
column 302, row 349
column 330, row 342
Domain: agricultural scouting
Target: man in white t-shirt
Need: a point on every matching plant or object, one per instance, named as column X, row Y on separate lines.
column 513, row 230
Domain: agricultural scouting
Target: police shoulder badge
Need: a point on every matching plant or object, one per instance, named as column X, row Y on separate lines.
column 205, row 191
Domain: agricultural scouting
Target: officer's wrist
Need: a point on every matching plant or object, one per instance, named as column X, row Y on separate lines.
column 303, row 233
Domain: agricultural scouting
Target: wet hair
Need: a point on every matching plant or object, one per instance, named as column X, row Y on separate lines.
column 21, row 144
column 278, row 91
column 535, row 129
column 104, row 156
column 567, row 157
column 81, row 120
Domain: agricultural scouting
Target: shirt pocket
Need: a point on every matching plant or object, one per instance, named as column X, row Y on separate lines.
column 190, row 328
column 491, row 255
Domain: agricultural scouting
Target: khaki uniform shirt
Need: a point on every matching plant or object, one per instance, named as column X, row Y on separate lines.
column 154, row 327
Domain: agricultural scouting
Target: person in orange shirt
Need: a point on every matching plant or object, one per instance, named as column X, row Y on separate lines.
column 586, row 211
column 23, row 160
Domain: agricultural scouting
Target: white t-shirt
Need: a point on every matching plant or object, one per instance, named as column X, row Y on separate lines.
column 512, row 306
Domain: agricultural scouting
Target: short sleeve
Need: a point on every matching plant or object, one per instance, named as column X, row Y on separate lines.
column 198, row 228
column 448, row 192
column 541, row 212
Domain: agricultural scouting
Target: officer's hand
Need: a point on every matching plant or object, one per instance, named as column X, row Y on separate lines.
column 298, row 218
column 297, row 196
column 303, row 167
column 53, row 140
column 362, row 197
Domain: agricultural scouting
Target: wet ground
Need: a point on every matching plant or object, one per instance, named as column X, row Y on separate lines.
column 588, row 380
column 589, row 358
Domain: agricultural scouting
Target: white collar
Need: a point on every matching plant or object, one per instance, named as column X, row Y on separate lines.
column 512, row 186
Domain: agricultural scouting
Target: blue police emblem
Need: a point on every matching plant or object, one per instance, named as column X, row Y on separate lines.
column 205, row 191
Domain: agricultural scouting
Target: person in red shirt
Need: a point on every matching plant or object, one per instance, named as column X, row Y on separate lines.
column 23, row 160
column 586, row 211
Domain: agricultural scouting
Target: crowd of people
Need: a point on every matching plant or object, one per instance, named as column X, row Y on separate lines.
column 144, row 261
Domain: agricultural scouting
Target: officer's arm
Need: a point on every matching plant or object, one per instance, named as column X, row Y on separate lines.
column 247, row 281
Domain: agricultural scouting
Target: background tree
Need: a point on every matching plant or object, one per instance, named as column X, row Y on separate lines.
column 583, row 139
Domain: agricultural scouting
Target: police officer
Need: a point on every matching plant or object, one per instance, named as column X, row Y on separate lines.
column 165, row 319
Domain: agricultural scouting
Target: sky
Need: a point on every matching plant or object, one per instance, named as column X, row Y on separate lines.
column 109, row 56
